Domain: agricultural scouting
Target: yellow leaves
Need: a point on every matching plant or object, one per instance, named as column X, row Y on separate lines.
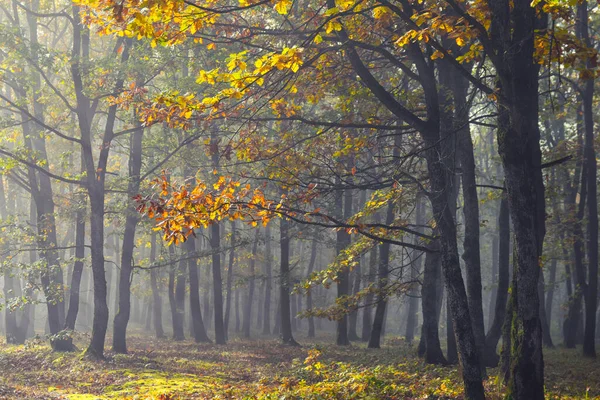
column 381, row 12
column 318, row 39
column 437, row 54
column 207, row 76
column 345, row 5
column 333, row 25
column 211, row 46
column 460, row 41
column 283, row 6
column 236, row 60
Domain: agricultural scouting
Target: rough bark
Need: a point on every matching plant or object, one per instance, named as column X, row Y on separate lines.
column 415, row 270
column 229, row 282
column 246, row 324
column 309, row 304
column 431, row 351
column 382, row 282
column 131, row 221
column 156, row 298
column 284, row 284
column 197, row 323
column 591, row 293
column 344, row 206
column 495, row 332
column 268, row 282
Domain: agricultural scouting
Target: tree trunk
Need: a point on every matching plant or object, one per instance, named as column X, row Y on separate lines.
column 382, row 279
column 131, row 221
column 471, row 245
column 344, row 207
column 78, row 265
column 247, row 322
column 215, row 242
column 284, row 285
column 495, row 332
column 229, row 283
column 156, row 300
column 519, row 148
column 429, row 298
column 309, row 304
column 369, row 298
column 415, row 271
column 268, row 282
column 197, row 323
column 591, row 293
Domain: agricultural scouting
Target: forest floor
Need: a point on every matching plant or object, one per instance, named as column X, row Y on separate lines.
column 261, row 369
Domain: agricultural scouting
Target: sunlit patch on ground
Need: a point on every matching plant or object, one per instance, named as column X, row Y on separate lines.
column 167, row 370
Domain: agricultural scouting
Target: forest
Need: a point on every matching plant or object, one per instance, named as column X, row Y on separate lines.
column 299, row 199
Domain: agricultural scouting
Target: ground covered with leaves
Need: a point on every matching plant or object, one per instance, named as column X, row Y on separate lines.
column 261, row 369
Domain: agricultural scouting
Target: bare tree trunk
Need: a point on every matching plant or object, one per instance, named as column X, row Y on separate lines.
column 251, row 280
column 429, row 298
column 309, row 304
column 268, row 282
column 131, row 221
column 495, row 332
column 591, row 293
column 344, row 207
column 156, row 300
column 382, row 279
column 369, row 298
column 284, row 286
column 197, row 324
column 415, row 268
column 229, row 283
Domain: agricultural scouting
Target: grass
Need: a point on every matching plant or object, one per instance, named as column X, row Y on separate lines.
column 262, row 369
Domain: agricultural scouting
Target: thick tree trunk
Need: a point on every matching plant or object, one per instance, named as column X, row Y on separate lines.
column 495, row 332
column 284, row 285
column 251, row 281
column 268, row 282
column 229, row 282
column 131, row 221
column 519, row 148
column 382, row 282
column 156, row 299
column 471, row 245
column 78, row 265
column 369, row 298
column 591, row 293
column 429, row 298
column 343, row 239
column 215, row 242
column 197, row 323
column 309, row 303
column 100, row 320
column 415, row 270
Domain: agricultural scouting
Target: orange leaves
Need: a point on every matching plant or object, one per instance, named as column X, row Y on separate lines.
column 178, row 211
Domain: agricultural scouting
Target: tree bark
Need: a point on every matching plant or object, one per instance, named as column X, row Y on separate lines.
column 415, row 270
column 229, row 282
column 156, row 300
column 197, row 323
column 309, row 303
column 284, row 285
column 268, row 282
column 432, row 351
column 382, row 282
column 131, row 221
column 495, row 332
column 247, row 321
column 343, row 239
column 591, row 293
